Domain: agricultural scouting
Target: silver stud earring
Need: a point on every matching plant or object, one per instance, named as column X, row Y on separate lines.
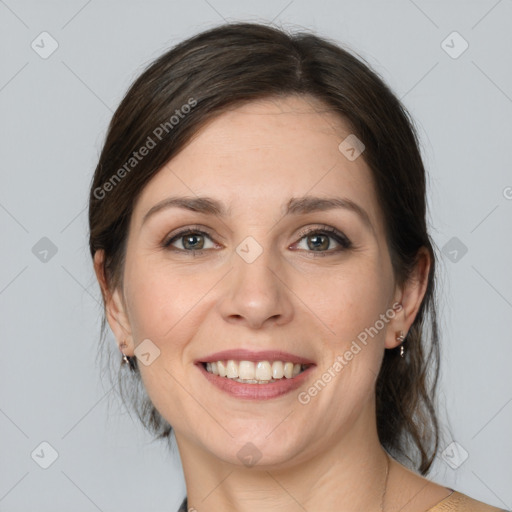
column 125, row 359
column 401, row 338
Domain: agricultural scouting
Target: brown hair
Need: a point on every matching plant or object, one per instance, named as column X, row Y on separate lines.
column 240, row 62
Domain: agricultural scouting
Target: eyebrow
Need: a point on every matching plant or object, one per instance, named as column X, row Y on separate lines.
column 295, row 206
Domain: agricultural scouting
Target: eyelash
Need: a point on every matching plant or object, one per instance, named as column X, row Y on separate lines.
column 333, row 233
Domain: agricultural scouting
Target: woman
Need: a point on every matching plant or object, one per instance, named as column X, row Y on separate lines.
column 257, row 224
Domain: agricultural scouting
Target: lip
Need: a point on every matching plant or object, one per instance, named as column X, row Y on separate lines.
column 249, row 355
column 255, row 391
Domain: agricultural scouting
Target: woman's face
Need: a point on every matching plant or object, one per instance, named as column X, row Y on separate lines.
column 285, row 253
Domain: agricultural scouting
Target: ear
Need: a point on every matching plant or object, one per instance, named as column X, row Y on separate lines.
column 115, row 309
column 408, row 299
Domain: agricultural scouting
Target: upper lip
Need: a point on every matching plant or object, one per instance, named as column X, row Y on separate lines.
column 249, row 355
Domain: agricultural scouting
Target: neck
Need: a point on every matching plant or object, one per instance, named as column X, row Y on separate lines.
column 348, row 474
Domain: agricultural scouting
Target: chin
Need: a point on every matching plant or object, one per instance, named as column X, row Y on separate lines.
column 259, row 449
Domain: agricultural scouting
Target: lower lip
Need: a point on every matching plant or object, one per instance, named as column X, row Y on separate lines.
column 256, row 391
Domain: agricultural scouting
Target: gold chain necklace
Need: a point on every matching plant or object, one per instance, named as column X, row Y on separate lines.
column 385, row 483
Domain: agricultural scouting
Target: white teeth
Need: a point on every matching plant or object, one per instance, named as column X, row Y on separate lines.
column 231, row 369
column 246, row 370
column 249, row 372
column 221, row 367
column 277, row 370
column 254, row 381
column 288, row 370
column 263, row 370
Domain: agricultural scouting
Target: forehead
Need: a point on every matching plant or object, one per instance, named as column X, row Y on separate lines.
column 261, row 154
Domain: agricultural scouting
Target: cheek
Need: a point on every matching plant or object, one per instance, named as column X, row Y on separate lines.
column 351, row 299
column 351, row 302
column 160, row 298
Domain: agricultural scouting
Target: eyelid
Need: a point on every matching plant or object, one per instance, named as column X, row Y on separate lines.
column 178, row 233
column 331, row 231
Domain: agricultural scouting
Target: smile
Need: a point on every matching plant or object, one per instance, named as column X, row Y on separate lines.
column 250, row 372
column 248, row 375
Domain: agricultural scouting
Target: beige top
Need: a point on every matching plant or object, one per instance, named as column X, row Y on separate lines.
column 454, row 502
column 457, row 501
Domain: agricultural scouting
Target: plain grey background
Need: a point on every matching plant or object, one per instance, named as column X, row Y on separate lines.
column 55, row 108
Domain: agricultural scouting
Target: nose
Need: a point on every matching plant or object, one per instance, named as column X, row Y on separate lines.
column 255, row 294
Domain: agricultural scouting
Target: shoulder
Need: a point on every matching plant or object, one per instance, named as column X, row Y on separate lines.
column 412, row 493
column 184, row 506
column 457, row 501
